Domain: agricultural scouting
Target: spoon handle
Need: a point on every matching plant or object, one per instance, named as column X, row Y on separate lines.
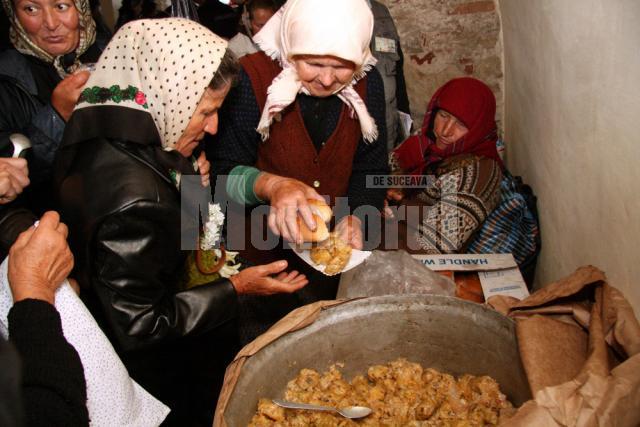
column 298, row 405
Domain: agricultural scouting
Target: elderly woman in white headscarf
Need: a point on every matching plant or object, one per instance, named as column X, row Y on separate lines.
column 154, row 94
column 306, row 120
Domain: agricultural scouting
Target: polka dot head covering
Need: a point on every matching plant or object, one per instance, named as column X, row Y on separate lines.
column 159, row 66
column 23, row 44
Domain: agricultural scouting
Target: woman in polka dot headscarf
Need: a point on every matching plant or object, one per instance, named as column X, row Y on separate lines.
column 125, row 158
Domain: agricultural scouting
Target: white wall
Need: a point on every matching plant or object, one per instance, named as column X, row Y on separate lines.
column 572, row 122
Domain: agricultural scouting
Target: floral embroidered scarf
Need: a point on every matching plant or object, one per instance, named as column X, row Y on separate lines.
column 161, row 67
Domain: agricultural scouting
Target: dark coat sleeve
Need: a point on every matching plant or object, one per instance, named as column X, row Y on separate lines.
column 21, row 112
column 237, row 140
column 11, row 405
column 370, row 158
column 401, row 85
column 135, row 270
column 14, row 219
column 53, row 384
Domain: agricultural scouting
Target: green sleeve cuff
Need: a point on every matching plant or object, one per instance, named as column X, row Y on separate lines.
column 241, row 183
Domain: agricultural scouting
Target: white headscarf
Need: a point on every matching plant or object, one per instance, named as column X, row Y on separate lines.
column 340, row 28
column 160, row 66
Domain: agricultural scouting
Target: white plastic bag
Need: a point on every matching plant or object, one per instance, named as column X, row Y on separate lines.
column 393, row 273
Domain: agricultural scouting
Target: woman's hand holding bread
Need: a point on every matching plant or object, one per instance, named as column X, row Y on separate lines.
column 289, row 199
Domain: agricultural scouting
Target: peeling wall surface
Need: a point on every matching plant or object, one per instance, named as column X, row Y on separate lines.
column 572, row 101
column 443, row 39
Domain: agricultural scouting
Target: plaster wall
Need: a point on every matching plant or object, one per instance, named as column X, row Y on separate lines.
column 572, row 102
column 443, row 39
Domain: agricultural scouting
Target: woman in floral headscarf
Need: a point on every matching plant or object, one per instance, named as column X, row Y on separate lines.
column 456, row 153
column 51, row 40
column 307, row 119
column 38, row 90
column 128, row 147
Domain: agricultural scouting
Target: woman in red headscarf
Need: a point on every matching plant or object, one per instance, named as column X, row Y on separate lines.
column 459, row 171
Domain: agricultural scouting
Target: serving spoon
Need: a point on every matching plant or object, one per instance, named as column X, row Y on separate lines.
column 352, row 412
column 20, row 144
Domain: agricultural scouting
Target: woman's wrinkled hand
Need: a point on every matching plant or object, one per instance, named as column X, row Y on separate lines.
column 40, row 260
column 394, row 195
column 288, row 199
column 349, row 230
column 204, row 167
column 66, row 93
column 260, row 280
column 14, row 177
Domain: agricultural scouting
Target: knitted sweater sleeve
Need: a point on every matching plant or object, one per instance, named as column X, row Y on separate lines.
column 455, row 206
column 54, row 388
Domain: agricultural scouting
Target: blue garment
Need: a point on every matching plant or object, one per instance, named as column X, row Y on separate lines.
column 512, row 227
column 24, row 111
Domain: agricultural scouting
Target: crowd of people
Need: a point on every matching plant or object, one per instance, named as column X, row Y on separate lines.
column 302, row 103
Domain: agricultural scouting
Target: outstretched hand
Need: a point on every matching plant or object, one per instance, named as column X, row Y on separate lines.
column 268, row 279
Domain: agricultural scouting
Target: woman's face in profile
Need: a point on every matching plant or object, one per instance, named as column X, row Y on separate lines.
column 53, row 25
column 323, row 75
column 448, row 129
column 204, row 120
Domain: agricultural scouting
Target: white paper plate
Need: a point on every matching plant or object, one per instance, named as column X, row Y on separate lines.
column 357, row 258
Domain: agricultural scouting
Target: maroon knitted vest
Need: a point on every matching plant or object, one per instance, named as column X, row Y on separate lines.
column 289, row 151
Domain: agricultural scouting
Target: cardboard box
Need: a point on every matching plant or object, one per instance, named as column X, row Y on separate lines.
column 498, row 274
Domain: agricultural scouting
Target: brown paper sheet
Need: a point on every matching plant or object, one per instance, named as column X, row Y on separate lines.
column 562, row 346
column 580, row 346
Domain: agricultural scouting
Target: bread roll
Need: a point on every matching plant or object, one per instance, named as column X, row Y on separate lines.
column 321, row 209
column 322, row 214
column 321, row 232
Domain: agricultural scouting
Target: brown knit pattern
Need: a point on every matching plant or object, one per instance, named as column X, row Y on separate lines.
column 465, row 191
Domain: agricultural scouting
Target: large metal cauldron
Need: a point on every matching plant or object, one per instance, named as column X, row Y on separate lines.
column 444, row 333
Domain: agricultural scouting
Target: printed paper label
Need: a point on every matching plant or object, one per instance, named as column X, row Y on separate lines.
column 384, row 44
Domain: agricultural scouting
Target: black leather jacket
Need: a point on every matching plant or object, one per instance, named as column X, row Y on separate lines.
column 123, row 215
column 25, row 108
column 22, row 111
